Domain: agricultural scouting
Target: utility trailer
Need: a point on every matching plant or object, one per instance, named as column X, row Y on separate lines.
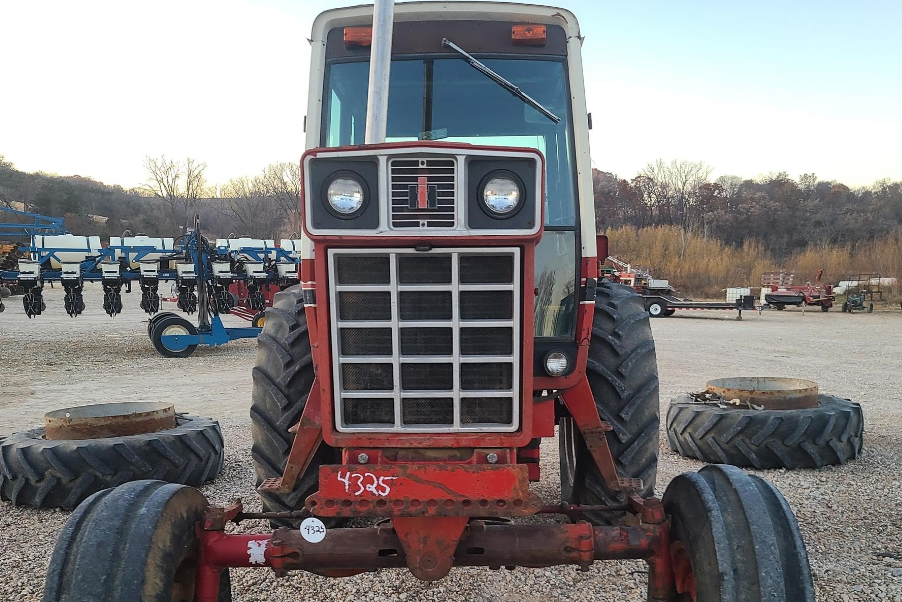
column 450, row 316
column 659, row 295
column 661, row 306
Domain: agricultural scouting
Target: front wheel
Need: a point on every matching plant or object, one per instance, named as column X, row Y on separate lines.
column 623, row 375
column 734, row 537
column 825, row 308
column 870, row 308
column 134, row 542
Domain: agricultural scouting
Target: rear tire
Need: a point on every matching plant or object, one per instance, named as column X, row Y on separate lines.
column 623, row 375
column 735, row 539
column 283, row 377
column 870, row 308
column 43, row 473
column 830, row 433
column 669, row 312
column 134, row 542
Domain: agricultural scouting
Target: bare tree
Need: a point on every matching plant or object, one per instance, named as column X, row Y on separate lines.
column 282, row 183
column 177, row 184
column 674, row 188
column 248, row 202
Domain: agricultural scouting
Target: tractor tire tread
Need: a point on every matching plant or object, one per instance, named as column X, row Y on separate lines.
column 623, row 376
column 282, row 379
column 831, row 433
column 43, row 473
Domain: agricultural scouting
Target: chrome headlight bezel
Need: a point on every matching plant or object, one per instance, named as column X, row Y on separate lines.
column 556, row 356
column 351, row 177
column 514, row 179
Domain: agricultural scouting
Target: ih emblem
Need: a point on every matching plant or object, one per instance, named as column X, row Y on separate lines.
column 422, row 195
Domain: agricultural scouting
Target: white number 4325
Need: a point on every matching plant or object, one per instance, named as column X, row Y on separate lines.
column 358, row 482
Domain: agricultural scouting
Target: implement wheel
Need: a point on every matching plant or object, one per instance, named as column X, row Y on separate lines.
column 259, row 319
column 156, row 318
column 734, row 539
column 282, row 379
column 170, row 325
column 623, row 375
column 134, row 542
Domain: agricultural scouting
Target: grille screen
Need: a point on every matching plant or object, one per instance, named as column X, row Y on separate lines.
column 485, row 410
column 422, row 193
column 486, row 377
column 497, row 269
column 362, row 410
column 425, row 305
column 486, row 341
column 427, row 341
column 366, row 341
column 434, row 410
column 431, row 269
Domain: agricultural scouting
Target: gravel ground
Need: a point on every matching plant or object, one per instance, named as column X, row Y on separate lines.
column 851, row 516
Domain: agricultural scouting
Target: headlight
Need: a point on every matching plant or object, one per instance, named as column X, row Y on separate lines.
column 556, row 363
column 501, row 195
column 345, row 195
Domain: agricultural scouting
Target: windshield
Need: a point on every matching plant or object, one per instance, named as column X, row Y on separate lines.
column 447, row 99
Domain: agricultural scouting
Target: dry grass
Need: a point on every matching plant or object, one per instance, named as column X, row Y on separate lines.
column 703, row 267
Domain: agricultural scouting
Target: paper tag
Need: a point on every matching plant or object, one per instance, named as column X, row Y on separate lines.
column 313, row 530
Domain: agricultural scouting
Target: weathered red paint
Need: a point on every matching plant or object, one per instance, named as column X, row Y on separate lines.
column 416, row 490
column 435, row 542
column 308, row 434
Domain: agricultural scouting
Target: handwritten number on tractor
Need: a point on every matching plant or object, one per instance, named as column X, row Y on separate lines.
column 356, row 483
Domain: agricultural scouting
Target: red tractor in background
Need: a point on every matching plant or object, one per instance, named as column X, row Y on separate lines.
column 450, row 316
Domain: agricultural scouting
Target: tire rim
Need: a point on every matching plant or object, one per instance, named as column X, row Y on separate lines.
column 655, row 309
column 683, row 577
column 184, row 580
column 568, row 438
column 174, row 329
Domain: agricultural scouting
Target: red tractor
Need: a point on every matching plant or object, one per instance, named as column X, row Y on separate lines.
column 450, row 315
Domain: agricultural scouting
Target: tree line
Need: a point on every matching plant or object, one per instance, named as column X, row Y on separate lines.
column 785, row 215
column 265, row 205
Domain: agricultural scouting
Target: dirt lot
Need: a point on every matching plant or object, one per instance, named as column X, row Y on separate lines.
column 851, row 516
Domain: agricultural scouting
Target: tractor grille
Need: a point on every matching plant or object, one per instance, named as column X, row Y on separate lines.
column 426, row 341
column 422, row 193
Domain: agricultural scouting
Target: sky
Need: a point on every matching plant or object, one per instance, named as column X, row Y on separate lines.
column 808, row 86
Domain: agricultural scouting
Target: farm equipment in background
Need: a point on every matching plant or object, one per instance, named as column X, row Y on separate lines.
column 439, row 334
column 778, row 291
column 210, row 280
column 660, row 297
column 857, row 301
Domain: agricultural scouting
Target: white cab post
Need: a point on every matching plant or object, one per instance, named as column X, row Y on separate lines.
column 380, row 66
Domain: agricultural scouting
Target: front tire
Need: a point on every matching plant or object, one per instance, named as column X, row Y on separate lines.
column 734, row 539
column 134, row 542
column 283, row 377
column 623, row 375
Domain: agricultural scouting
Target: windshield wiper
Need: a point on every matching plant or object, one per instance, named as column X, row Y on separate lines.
column 479, row 66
